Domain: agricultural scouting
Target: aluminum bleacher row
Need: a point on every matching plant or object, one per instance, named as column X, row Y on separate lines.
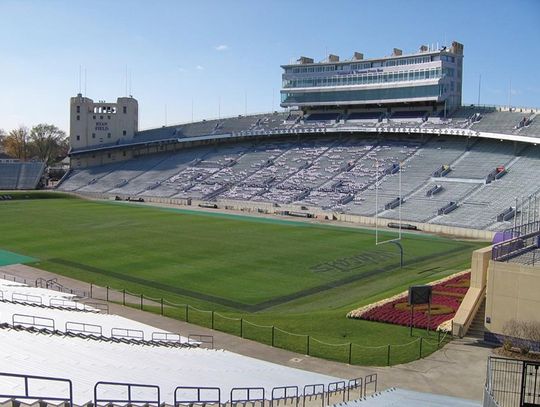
column 20, row 175
column 88, row 350
column 337, row 173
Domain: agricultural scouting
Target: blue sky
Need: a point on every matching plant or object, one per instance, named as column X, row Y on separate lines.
column 222, row 53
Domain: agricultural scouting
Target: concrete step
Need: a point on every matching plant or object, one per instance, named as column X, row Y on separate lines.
column 476, row 329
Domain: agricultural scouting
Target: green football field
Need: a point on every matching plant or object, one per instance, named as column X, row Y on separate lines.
column 297, row 276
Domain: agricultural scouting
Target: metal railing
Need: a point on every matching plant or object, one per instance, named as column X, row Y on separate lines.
column 27, row 394
column 129, row 399
column 518, row 246
column 32, row 321
column 79, row 327
column 62, row 303
column 352, row 385
column 21, row 297
column 166, row 337
column 126, row 333
column 370, row 379
column 313, row 392
column 203, row 396
column 334, row 389
column 13, row 278
column 202, row 339
column 285, row 394
column 244, row 395
column 347, row 352
column 503, row 382
column 110, row 393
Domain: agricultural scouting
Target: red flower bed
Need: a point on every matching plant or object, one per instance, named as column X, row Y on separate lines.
column 447, row 297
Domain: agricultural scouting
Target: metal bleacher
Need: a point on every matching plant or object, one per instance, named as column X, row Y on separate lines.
column 21, row 175
column 334, row 173
column 480, row 159
column 336, row 169
column 91, row 347
column 498, row 122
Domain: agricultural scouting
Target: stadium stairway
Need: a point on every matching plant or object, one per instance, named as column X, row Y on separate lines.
column 476, row 329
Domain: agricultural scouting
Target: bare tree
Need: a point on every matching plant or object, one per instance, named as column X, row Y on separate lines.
column 2, row 137
column 16, row 143
column 47, row 142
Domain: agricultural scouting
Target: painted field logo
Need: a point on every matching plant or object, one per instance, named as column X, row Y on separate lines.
column 347, row 264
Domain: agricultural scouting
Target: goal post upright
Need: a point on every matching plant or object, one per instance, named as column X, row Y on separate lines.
column 397, row 240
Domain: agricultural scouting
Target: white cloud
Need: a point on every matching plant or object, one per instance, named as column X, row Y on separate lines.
column 180, row 69
column 222, row 47
column 199, row 67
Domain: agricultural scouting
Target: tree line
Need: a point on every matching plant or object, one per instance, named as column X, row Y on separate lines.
column 43, row 142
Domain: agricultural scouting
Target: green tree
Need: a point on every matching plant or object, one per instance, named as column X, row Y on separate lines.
column 48, row 143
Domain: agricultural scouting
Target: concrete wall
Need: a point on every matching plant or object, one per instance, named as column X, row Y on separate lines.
column 513, row 292
column 473, row 299
column 425, row 227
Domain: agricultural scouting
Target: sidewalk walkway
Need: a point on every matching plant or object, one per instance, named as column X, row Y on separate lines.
column 457, row 370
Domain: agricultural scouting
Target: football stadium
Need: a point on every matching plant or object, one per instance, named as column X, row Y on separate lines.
column 365, row 245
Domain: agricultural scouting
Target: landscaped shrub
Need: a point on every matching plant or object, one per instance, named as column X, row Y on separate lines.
column 446, row 298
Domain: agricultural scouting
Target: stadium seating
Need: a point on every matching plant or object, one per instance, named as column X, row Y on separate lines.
column 43, row 339
column 20, row 175
column 498, row 122
column 333, row 173
column 337, row 172
column 408, row 398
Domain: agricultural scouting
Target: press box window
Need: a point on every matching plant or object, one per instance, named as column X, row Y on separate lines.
column 124, row 132
column 78, row 109
column 124, row 109
column 78, row 138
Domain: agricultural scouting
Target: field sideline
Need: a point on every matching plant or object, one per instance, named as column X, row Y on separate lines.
column 302, row 277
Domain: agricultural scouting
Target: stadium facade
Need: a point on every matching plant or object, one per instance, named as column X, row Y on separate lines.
column 427, row 78
column 94, row 124
column 345, row 113
column 404, row 110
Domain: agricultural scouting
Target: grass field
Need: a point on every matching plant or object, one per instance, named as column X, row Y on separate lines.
column 298, row 276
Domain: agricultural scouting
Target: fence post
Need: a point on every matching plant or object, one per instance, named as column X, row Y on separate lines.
column 162, row 306
column 107, row 293
column 241, row 327
column 388, row 356
column 91, row 286
column 142, row 300
column 212, row 319
column 307, row 353
column 420, row 348
column 350, row 352
column 124, row 296
column 272, row 335
column 187, row 312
